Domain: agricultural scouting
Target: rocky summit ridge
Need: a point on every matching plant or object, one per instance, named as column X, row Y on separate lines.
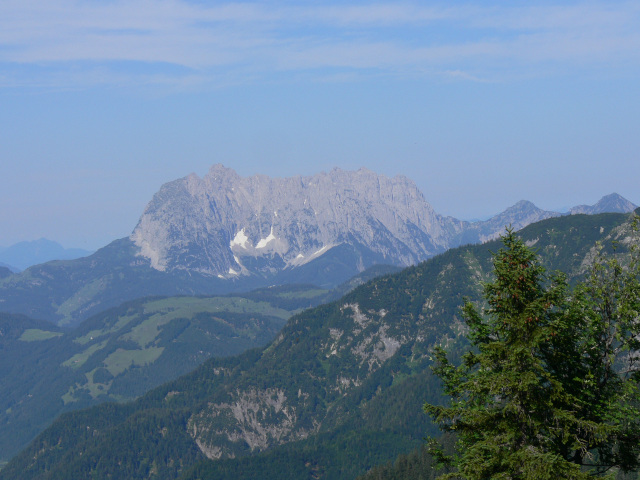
column 229, row 226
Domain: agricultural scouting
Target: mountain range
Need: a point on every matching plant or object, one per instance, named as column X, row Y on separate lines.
column 212, row 236
column 338, row 391
column 225, row 233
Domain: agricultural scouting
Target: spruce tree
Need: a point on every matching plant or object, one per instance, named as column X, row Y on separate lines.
column 549, row 389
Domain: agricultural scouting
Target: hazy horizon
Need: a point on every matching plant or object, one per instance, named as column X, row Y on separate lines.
column 482, row 104
column 97, row 246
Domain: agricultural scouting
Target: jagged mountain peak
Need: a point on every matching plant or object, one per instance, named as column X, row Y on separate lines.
column 229, row 226
column 223, row 232
column 523, row 204
column 225, row 225
column 518, row 209
column 523, row 212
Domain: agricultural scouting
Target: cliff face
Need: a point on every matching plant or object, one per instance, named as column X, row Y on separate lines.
column 227, row 225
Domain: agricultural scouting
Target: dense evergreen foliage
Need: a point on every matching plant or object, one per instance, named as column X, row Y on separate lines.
column 5, row 272
column 551, row 390
column 419, row 464
column 351, row 376
column 30, row 355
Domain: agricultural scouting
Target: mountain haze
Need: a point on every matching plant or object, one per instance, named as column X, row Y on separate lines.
column 517, row 216
column 6, row 271
column 22, row 255
column 232, row 226
column 608, row 203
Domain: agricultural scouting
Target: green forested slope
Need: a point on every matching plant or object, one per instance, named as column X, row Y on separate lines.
column 5, row 272
column 28, row 379
column 117, row 355
column 125, row 351
column 337, row 392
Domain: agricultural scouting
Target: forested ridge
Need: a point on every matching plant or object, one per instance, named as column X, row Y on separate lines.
column 346, row 379
column 125, row 351
column 551, row 388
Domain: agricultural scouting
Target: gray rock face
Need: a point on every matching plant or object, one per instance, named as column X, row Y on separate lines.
column 227, row 225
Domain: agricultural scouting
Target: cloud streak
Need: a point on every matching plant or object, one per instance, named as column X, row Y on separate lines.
column 178, row 41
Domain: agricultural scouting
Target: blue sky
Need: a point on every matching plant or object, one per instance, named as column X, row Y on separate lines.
column 482, row 104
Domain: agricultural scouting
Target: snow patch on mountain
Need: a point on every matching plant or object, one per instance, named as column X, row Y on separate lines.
column 240, row 239
column 265, row 241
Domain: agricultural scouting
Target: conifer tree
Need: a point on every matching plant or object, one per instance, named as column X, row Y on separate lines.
column 549, row 389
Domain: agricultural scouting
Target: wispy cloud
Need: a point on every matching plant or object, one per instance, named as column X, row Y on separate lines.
column 176, row 41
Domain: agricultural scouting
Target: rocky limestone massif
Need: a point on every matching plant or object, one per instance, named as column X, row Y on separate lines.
column 229, row 226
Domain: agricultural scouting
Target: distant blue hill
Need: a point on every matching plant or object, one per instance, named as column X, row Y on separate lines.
column 6, row 266
column 23, row 255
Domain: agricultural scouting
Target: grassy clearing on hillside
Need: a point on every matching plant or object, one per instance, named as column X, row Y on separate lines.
column 122, row 321
column 80, row 298
column 186, row 306
column 122, row 359
column 95, row 389
column 166, row 310
column 147, row 331
column 79, row 359
column 116, row 363
column 35, row 335
column 311, row 293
